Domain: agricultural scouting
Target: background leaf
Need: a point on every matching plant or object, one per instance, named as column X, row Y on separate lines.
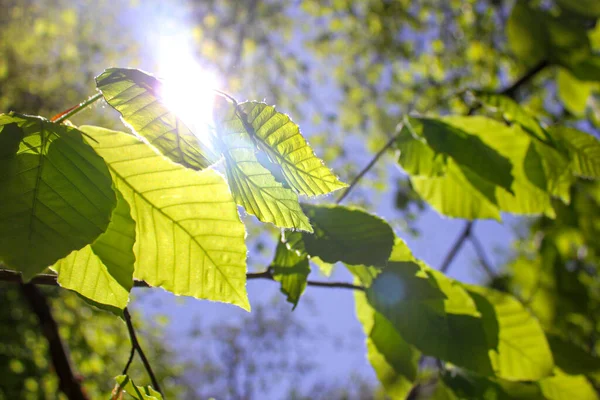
column 125, row 383
column 190, row 239
column 56, row 193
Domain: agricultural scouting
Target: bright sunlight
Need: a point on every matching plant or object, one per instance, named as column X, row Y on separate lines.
column 188, row 88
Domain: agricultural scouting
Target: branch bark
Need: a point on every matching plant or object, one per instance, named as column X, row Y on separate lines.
column 68, row 383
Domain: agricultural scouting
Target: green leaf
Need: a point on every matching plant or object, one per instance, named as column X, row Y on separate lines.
column 138, row 97
column 103, row 271
column 417, row 158
column 290, row 268
column 536, row 36
column 470, row 386
column 254, row 187
column 586, row 8
column 432, row 313
column 567, row 387
column 347, row 234
column 512, row 111
column 124, row 383
column 573, row 93
column 455, row 195
column 56, row 193
column 466, row 149
column 395, row 362
column 325, row 268
column 281, row 139
column 584, row 151
column 518, row 347
column 190, row 239
column 526, row 34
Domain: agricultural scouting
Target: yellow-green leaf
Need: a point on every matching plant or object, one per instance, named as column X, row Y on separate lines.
column 190, row 239
column 138, row 97
column 281, row 139
column 254, row 187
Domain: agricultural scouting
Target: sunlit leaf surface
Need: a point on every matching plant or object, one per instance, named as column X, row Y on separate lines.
column 190, row 239
column 290, row 268
column 254, row 187
column 137, row 96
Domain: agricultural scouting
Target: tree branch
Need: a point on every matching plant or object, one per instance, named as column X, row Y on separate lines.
column 68, row 383
column 135, row 344
column 371, row 163
column 483, row 260
column 51, row 280
column 460, row 240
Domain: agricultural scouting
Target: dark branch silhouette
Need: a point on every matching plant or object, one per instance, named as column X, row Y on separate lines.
column 68, row 383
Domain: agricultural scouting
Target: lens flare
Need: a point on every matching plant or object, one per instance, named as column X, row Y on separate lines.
column 188, row 87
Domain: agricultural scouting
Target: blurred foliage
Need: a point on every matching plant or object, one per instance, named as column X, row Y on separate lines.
column 98, row 344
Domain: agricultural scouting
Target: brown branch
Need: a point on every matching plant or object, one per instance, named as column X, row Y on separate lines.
column 511, row 90
column 51, row 280
column 135, row 344
column 68, row 383
column 460, row 240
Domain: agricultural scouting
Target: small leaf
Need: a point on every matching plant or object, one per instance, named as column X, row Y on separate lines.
column 348, row 235
column 254, row 187
column 125, row 384
column 573, row 93
column 584, row 151
column 190, row 239
column 138, row 97
column 290, row 269
column 55, row 191
column 586, row 8
column 281, row 139
column 103, row 271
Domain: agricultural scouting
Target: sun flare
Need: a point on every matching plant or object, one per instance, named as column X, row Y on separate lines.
column 188, row 87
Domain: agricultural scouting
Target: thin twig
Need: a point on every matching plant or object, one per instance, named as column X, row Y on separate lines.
column 511, row 90
column 460, row 240
column 51, row 280
column 68, row 383
column 371, row 163
column 77, row 108
column 483, row 260
column 129, row 361
column 136, row 345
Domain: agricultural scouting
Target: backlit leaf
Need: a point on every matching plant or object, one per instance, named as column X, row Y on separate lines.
column 584, row 150
column 518, row 347
column 254, row 187
column 103, row 271
column 138, row 97
column 190, row 239
column 56, row 193
column 281, row 139
column 126, row 385
column 567, row 387
column 573, row 93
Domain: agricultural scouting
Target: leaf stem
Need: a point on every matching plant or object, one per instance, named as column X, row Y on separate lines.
column 78, row 108
column 135, row 344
